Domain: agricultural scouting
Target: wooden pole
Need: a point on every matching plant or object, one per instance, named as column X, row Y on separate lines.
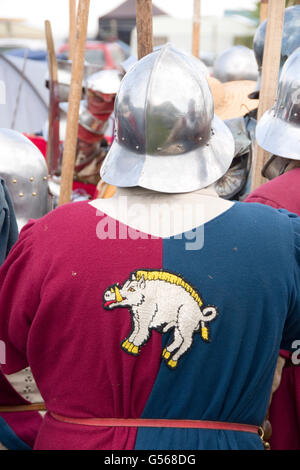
column 51, row 51
column 263, row 10
column 72, row 27
column 74, row 102
column 53, row 115
column 269, row 80
column 196, row 28
column 144, row 27
column 105, row 190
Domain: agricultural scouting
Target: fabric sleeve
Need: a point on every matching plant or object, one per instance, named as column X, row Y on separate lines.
column 19, row 299
column 291, row 332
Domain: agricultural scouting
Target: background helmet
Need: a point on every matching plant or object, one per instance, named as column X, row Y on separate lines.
column 102, row 88
column 278, row 131
column 236, row 63
column 167, row 138
column 106, row 82
column 24, row 170
column 290, row 41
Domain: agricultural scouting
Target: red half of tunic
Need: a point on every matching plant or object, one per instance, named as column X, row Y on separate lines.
column 72, row 381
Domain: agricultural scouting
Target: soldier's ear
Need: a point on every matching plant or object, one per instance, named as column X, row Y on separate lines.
column 133, row 277
column 142, row 283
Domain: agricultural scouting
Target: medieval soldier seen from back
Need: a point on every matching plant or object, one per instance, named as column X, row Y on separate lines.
column 153, row 299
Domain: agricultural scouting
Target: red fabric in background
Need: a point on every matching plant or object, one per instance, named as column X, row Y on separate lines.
column 91, row 189
column 88, row 136
column 41, row 143
column 285, row 412
column 283, row 193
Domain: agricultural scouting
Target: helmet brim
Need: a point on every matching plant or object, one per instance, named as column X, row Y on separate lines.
column 278, row 137
column 173, row 173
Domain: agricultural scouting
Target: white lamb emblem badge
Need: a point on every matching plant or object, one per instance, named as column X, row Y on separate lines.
column 161, row 300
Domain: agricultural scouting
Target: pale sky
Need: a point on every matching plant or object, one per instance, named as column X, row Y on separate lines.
column 37, row 11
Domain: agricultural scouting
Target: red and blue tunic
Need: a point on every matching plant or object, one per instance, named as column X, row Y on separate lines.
column 132, row 326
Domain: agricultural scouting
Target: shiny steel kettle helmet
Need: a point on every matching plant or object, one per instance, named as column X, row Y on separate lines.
column 290, row 41
column 105, row 81
column 102, row 88
column 236, row 63
column 278, row 131
column 167, row 138
column 24, row 170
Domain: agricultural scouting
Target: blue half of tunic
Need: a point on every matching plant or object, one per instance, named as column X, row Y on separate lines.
column 9, row 438
column 249, row 269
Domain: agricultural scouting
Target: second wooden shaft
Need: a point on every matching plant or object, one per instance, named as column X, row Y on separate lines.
column 196, row 28
column 144, row 27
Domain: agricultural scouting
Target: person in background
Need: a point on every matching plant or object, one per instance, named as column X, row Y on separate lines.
column 278, row 132
column 23, row 195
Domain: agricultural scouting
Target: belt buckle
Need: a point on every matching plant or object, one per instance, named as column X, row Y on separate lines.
column 261, row 433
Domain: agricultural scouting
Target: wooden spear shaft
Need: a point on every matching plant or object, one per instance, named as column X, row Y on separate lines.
column 53, row 79
column 51, row 51
column 144, row 27
column 263, row 10
column 74, row 103
column 196, row 28
column 72, row 27
column 269, row 80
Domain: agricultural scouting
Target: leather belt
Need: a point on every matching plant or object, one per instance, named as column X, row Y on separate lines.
column 158, row 423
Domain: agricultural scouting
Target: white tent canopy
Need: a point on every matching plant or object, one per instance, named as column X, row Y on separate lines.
column 23, row 99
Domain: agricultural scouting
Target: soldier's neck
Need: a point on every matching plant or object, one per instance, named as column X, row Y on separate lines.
column 163, row 214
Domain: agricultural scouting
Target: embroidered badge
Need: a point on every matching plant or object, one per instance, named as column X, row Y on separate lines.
column 161, row 300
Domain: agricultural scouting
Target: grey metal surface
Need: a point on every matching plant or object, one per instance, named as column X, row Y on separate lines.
column 167, row 137
column 106, row 82
column 278, row 131
column 24, row 170
column 234, row 181
column 275, row 166
column 236, row 63
column 128, row 63
column 90, row 122
column 239, row 131
column 290, row 40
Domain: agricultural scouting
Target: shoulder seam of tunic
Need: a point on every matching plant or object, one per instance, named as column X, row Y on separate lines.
column 255, row 199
